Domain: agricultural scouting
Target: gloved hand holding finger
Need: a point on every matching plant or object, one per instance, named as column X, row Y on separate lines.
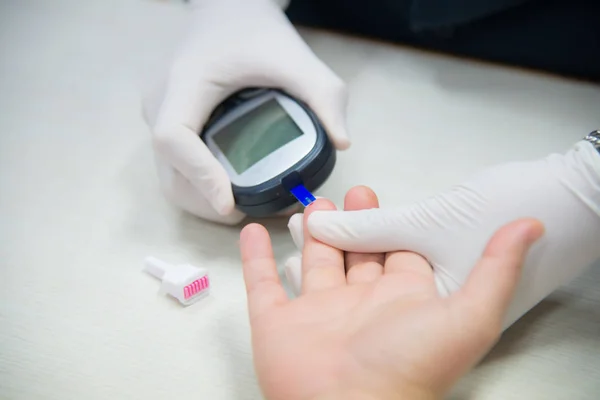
column 231, row 45
column 451, row 229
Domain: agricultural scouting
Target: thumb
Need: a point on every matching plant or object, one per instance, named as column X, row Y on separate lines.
column 327, row 95
column 370, row 231
column 490, row 287
column 188, row 197
column 184, row 110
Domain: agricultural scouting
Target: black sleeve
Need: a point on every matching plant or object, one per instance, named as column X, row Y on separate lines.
column 556, row 36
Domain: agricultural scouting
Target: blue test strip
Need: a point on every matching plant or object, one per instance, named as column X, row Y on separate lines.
column 303, row 195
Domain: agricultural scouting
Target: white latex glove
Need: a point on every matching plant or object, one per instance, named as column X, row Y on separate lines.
column 232, row 44
column 452, row 228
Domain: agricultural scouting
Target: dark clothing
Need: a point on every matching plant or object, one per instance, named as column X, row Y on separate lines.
column 556, row 36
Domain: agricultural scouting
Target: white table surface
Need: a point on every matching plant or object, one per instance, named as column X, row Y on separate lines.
column 80, row 209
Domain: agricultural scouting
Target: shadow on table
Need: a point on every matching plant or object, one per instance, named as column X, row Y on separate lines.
column 235, row 349
column 153, row 221
column 568, row 317
column 516, row 337
column 513, row 341
column 214, row 240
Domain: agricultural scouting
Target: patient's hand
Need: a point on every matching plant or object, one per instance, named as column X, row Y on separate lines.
column 373, row 326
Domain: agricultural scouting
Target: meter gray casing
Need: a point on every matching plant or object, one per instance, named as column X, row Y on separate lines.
column 273, row 195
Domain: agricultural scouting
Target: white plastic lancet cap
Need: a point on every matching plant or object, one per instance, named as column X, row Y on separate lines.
column 156, row 267
column 186, row 283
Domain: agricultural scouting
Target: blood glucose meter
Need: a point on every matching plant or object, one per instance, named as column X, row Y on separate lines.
column 272, row 146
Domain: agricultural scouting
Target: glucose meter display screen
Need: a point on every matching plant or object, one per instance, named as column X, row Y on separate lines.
column 256, row 134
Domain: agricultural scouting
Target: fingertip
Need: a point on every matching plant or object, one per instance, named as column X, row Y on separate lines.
column 360, row 191
column 255, row 246
column 360, row 198
column 251, row 226
column 319, row 204
column 251, row 232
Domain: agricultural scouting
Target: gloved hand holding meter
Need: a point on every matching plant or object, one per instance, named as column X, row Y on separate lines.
column 232, row 46
column 248, row 121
